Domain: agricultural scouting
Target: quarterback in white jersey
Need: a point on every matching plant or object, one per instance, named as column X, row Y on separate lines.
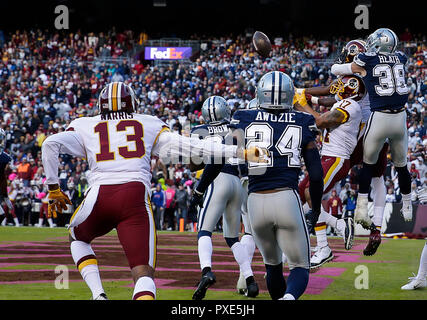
column 118, row 144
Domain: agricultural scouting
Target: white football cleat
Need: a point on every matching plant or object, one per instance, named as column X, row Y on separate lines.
column 241, row 284
column 321, row 256
column 414, row 283
column 287, row 296
column 361, row 215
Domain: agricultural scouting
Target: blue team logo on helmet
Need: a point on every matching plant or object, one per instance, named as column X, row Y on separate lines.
column 215, row 110
column 275, row 91
column 382, row 41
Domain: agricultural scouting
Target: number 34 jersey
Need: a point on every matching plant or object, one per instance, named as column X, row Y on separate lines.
column 341, row 141
column 118, row 146
column 285, row 135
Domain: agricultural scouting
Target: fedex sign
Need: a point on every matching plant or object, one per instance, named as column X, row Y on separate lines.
column 167, row 53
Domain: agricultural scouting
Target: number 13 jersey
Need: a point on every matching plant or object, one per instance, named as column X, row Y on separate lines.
column 118, row 146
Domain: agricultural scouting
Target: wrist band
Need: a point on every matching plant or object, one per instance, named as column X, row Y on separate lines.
column 315, row 100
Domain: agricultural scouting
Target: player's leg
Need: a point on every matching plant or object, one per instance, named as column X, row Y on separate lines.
column 373, row 141
column 214, row 203
column 419, row 281
column 2, row 214
column 261, row 216
column 14, row 216
column 294, row 240
column 398, row 149
column 231, row 229
column 99, row 222
column 334, row 169
column 137, row 234
column 379, row 194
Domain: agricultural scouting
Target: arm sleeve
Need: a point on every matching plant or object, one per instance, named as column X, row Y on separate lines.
column 315, row 171
column 171, row 145
column 68, row 142
column 341, row 69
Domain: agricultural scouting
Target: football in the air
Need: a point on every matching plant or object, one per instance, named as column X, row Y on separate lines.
column 261, row 43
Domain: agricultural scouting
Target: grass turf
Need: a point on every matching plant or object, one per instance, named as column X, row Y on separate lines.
column 388, row 270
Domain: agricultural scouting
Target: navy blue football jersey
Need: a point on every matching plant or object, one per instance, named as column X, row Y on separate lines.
column 217, row 133
column 285, row 135
column 385, row 79
column 4, row 160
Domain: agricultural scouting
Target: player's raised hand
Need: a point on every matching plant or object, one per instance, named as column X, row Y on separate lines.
column 58, row 201
column 254, row 154
column 196, row 200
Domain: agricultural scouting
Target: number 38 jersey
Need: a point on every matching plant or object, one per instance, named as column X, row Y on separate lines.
column 341, row 141
column 285, row 135
column 385, row 79
column 118, row 146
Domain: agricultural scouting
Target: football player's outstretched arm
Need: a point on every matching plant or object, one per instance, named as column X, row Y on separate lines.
column 347, row 68
column 171, row 144
column 328, row 119
column 68, row 142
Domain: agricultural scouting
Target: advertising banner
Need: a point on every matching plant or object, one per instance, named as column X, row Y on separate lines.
column 167, row 53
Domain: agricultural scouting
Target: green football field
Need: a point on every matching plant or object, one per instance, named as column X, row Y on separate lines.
column 32, row 262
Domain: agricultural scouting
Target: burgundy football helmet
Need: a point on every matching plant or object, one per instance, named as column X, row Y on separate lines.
column 351, row 86
column 117, row 96
column 352, row 49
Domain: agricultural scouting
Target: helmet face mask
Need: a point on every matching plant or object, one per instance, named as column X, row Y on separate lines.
column 275, row 91
column 383, row 41
column 117, row 96
column 215, row 110
column 348, row 87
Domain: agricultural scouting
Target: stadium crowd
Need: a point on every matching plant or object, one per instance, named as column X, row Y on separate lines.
column 48, row 79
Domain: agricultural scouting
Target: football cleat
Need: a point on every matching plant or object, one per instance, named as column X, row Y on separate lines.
column 207, row 280
column 415, row 283
column 102, row 296
column 321, row 256
column 373, row 243
column 241, row 284
column 252, row 289
column 361, row 213
column 348, row 233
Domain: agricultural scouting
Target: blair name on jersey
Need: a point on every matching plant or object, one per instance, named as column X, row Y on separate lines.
column 281, row 117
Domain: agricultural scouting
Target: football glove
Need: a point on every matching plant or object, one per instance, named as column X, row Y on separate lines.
column 58, row 201
column 196, row 200
column 311, row 219
column 342, row 56
column 256, row 154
